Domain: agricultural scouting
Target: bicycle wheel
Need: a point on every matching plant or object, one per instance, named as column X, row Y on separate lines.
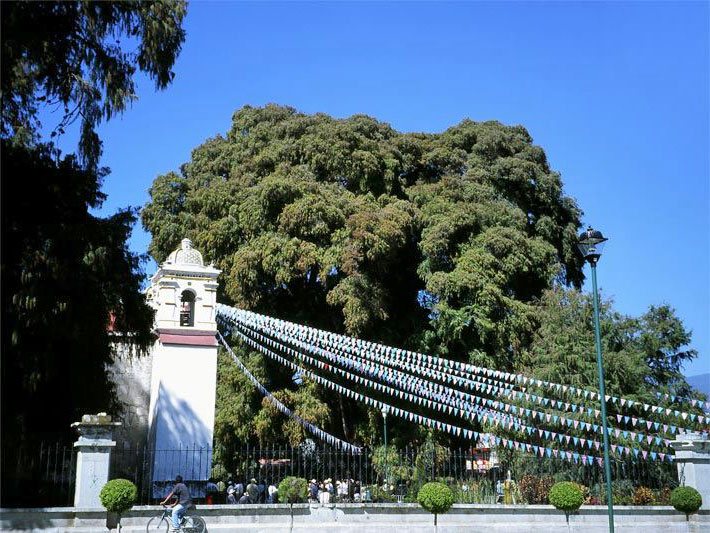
column 158, row 523
column 194, row 524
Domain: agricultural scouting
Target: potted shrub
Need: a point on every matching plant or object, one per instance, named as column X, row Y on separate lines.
column 686, row 500
column 566, row 496
column 436, row 498
column 117, row 496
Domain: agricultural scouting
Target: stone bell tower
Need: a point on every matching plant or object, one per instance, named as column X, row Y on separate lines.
column 184, row 366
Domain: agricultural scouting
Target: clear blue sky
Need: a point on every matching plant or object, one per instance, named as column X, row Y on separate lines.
column 616, row 94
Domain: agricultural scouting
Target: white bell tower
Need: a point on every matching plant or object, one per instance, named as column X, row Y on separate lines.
column 184, row 366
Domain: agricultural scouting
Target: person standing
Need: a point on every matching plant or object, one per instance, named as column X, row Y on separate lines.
column 323, row 494
column 239, row 489
column 253, row 491
column 313, row 491
column 183, row 501
column 273, row 494
column 343, row 490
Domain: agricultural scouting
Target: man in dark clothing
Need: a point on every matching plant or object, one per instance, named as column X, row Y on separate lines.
column 244, row 499
column 313, row 491
column 182, row 503
column 253, row 491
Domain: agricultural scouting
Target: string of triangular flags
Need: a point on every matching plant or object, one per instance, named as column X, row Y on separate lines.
column 312, row 428
column 412, row 391
column 340, row 342
column 682, row 399
column 489, row 375
column 487, row 416
column 542, row 451
column 335, row 354
column 621, row 450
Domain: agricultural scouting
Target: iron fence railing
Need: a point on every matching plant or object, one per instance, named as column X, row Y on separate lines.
column 45, row 475
column 40, row 475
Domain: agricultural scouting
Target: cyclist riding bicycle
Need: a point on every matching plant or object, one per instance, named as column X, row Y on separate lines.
column 182, row 503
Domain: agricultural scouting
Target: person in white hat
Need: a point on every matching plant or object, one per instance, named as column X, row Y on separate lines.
column 313, row 491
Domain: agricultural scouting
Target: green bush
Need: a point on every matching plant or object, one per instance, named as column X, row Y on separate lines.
column 534, row 489
column 643, row 496
column 293, row 490
column 622, row 491
column 118, row 495
column 663, row 496
column 380, row 494
column 435, row 497
column 566, row 496
column 686, row 499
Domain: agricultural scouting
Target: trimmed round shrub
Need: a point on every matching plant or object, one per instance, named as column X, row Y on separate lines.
column 435, row 497
column 118, row 495
column 293, row 490
column 686, row 499
column 566, row 496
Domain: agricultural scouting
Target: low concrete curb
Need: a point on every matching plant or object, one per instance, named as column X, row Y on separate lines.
column 368, row 518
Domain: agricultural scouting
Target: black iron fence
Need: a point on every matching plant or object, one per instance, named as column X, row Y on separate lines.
column 41, row 475
column 45, row 476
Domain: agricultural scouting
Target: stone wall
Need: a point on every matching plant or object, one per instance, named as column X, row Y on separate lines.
column 369, row 518
column 130, row 373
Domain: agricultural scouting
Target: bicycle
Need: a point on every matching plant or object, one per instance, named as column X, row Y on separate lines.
column 190, row 523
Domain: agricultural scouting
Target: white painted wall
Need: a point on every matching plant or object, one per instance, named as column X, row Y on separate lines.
column 182, row 410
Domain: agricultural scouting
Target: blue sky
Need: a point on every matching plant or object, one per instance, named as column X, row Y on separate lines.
column 616, row 94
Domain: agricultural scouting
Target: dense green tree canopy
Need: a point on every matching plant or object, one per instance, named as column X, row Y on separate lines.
column 70, row 55
column 642, row 356
column 439, row 242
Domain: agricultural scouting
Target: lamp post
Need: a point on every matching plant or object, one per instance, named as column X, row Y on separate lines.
column 591, row 244
column 385, row 410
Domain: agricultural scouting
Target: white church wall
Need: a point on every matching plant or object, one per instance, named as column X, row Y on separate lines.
column 182, row 412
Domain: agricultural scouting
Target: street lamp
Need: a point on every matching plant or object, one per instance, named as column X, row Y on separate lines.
column 385, row 410
column 591, row 244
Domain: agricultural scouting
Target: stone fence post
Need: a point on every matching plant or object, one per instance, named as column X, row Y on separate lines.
column 692, row 457
column 93, row 457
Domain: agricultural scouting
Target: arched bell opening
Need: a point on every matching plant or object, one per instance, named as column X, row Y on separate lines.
column 187, row 309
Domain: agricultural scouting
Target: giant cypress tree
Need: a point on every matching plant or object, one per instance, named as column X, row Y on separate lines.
column 428, row 241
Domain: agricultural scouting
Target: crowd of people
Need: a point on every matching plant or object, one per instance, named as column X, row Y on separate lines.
column 343, row 491
column 236, row 492
column 263, row 491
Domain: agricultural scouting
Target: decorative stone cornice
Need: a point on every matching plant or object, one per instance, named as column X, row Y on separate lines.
column 95, row 430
